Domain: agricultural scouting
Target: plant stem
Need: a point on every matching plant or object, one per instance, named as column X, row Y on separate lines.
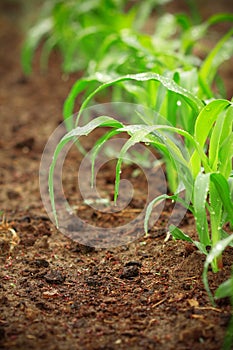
column 215, row 220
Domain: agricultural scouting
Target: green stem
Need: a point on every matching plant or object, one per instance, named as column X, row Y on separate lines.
column 215, row 221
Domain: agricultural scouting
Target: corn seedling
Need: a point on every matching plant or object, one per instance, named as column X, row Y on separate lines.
column 225, row 290
column 160, row 72
column 78, row 29
column 197, row 79
column 204, row 169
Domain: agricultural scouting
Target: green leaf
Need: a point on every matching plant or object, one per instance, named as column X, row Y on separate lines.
column 171, row 150
column 34, row 36
column 226, row 144
column 201, row 188
column 220, row 17
column 77, row 88
column 203, row 126
column 225, row 289
column 150, row 206
column 213, row 254
column 221, row 130
column 157, row 200
column 189, row 98
column 100, row 142
column 178, row 234
column 228, row 339
column 225, row 156
column 221, row 52
column 74, row 135
column 135, row 138
column 224, row 193
column 207, row 117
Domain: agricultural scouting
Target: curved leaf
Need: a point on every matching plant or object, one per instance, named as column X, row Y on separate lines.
column 203, row 125
column 192, row 100
column 75, row 134
column 214, row 253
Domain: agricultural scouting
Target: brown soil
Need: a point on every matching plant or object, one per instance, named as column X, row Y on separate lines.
column 57, row 294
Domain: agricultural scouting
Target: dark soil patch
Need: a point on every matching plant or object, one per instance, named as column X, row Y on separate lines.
column 58, row 294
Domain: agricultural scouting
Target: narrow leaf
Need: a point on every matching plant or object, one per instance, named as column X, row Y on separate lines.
column 224, row 193
column 192, row 100
column 214, row 253
column 201, row 188
column 225, row 289
column 74, row 135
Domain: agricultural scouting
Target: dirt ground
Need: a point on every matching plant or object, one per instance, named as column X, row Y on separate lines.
column 59, row 295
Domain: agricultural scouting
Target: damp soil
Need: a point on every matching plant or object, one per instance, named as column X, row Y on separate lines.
column 58, row 294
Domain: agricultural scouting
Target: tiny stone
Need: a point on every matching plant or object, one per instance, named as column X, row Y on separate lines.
column 28, row 143
column 83, row 249
column 42, row 242
column 93, row 282
column 134, row 263
column 2, row 333
column 54, row 277
column 41, row 263
column 130, row 272
column 11, row 194
column 25, row 219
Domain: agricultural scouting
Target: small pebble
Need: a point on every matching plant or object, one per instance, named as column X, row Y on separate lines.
column 130, row 272
column 83, row 249
column 134, row 263
column 41, row 263
column 92, row 282
column 42, row 243
column 28, row 143
column 54, row 277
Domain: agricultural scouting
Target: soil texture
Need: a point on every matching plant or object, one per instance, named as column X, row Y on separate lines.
column 60, row 295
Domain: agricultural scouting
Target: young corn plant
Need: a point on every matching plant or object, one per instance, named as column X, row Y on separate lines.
column 195, row 78
column 225, row 289
column 154, row 95
column 178, row 88
column 120, row 46
column 85, row 31
column 203, row 167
